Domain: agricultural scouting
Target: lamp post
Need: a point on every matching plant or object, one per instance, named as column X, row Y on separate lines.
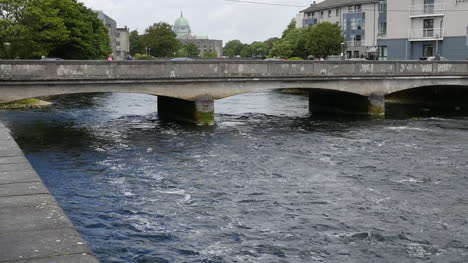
column 7, row 45
column 342, row 50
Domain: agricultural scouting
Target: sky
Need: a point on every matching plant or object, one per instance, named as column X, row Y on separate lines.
column 217, row 19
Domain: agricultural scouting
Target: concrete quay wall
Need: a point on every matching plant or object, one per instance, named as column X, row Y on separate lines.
column 33, row 228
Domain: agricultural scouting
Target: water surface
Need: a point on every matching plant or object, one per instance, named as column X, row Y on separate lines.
column 266, row 184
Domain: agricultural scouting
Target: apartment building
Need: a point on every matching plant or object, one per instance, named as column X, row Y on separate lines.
column 412, row 29
column 119, row 37
column 359, row 20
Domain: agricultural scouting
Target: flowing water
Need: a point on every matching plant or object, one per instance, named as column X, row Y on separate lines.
column 266, row 184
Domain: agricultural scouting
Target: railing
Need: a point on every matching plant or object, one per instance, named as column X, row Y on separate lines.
column 310, row 22
column 426, row 34
column 427, row 10
column 358, row 43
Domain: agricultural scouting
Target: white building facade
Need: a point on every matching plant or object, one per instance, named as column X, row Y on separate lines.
column 359, row 20
column 414, row 29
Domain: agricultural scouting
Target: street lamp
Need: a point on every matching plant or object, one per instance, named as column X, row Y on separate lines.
column 342, row 50
column 6, row 45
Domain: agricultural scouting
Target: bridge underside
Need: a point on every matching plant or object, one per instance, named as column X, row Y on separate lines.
column 192, row 100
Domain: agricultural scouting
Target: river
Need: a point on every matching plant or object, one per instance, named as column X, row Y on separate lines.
column 266, row 184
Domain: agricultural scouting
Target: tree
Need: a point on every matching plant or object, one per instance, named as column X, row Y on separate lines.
column 259, row 49
column 161, row 40
column 282, row 49
column 136, row 46
column 297, row 37
column 210, row 54
column 89, row 38
column 324, row 39
column 192, row 50
column 61, row 28
column 291, row 26
column 246, row 51
column 233, row 48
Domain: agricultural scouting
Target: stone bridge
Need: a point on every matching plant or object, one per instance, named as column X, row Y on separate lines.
column 186, row 90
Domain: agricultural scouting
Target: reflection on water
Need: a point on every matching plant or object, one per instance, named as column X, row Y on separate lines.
column 266, row 184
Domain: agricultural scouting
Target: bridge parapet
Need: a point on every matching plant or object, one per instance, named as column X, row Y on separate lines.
column 29, row 70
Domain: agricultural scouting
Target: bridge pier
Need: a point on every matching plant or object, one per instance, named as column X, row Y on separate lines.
column 200, row 112
column 330, row 102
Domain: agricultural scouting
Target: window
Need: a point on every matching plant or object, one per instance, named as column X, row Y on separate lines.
column 382, row 28
column 383, row 53
column 313, row 13
column 337, row 12
column 428, row 6
column 356, row 54
column 329, row 13
column 428, row 51
column 382, row 6
column 321, row 14
column 428, row 28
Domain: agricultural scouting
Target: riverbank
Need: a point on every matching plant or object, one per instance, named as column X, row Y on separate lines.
column 33, row 228
column 25, row 104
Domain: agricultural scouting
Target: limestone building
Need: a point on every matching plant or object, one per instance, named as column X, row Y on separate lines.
column 119, row 37
column 204, row 44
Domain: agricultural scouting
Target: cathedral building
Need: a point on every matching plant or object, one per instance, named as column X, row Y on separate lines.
column 204, row 44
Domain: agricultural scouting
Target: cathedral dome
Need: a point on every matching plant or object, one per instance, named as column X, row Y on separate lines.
column 182, row 27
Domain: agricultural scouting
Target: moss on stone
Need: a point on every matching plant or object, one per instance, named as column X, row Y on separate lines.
column 376, row 111
column 205, row 118
column 25, row 104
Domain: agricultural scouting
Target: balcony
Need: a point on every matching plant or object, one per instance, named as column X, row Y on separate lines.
column 358, row 43
column 428, row 34
column 416, row 11
column 310, row 22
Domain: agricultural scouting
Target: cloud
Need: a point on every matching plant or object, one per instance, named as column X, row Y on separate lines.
column 218, row 19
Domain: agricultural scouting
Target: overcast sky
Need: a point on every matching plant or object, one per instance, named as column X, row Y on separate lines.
column 218, row 19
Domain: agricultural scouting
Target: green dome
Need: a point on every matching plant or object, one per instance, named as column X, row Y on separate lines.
column 182, row 27
column 181, row 22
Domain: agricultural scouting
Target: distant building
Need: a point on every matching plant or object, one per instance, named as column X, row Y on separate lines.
column 119, row 37
column 358, row 19
column 204, row 44
column 427, row 28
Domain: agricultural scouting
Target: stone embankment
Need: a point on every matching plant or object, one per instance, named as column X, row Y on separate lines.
column 33, row 228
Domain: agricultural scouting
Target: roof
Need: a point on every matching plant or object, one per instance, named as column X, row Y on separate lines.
column 327, row 4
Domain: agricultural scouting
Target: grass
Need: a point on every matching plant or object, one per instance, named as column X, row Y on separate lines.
column 24, row 104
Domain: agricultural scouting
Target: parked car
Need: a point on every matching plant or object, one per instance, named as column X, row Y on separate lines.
column 433, row 59
column 274, row 59
column 52, row 59
column 182, row 59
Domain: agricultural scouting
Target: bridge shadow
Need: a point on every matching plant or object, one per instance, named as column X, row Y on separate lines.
column 432, row 101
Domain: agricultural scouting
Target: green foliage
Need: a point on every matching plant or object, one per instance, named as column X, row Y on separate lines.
column 296, row 58
column 210, row 54
column 233, row 48
column 291, row 26
column 135, row 43
column 58, row 28
column 192, row 50
column 324, row 39
column 139, row 56
column 161, row 40
column 297, row 37
column 282, row 49
column 259, row 49
column 246, row 51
